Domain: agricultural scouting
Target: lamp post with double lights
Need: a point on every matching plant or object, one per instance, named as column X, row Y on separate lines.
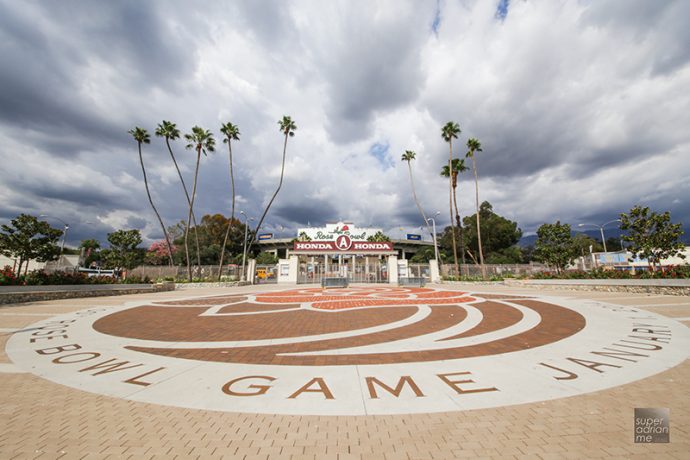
column 247, row 219
column 433, row 226
column 601, row 229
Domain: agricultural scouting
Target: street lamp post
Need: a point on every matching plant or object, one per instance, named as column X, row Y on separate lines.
column 244, row 252
column 433, row 224
column 601, row 229
column 64, row 235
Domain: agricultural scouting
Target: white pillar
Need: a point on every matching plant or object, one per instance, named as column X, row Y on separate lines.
column 288, row 269
column 251, row 270
column 433, row 268
column 393, row 269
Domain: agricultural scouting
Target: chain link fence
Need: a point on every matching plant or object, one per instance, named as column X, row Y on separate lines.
column 471, row 270
column 204, row 271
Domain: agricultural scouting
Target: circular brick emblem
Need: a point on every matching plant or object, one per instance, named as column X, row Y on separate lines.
column 363, row 350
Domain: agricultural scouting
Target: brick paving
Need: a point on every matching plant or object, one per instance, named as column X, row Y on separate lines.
column 41, row 419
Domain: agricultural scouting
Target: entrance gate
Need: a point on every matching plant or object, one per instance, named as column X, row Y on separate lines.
column 266, row 274
column 357, row 269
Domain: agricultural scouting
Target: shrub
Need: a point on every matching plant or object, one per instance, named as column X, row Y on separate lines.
column 9, row 278
column 673, row 272
column 135, row 279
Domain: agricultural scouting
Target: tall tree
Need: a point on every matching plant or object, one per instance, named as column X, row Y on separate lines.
column 169, row 131
column 142, row 137
column 123, row 251
column 202, row 141
column 27, row 238
column 475, row 146
column 500, row 236
column 450, row 131
column 458, row 167
column 652, row 236
column 232, row 133
column 555, row 246
column 288, row 128
column 408, row 156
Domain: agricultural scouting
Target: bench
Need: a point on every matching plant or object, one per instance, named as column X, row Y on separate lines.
column 334, row 282
column 411, row 281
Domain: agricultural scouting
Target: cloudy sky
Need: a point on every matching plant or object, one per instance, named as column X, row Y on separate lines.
column 582, row 108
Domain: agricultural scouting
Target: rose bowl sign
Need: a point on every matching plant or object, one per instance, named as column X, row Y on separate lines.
column 331, row 232
column 341, row 237
column 343, row 244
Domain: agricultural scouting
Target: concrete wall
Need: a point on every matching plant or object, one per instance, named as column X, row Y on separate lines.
column 21, row 294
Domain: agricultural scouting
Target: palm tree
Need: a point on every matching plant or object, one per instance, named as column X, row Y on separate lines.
column 408, row 156
column 142, row 137
column 475, row 146
column 200, row 140
column 449, row 132
column 232, row 133
column 458, row 167
column 169, row 131
column 288, row 128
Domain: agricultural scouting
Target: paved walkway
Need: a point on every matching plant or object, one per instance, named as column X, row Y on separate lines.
column 42, row 419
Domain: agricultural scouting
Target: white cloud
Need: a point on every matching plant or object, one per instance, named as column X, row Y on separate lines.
column 582, row 108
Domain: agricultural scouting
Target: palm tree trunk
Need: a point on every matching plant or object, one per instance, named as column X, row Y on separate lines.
column 148, row 193
column 457, row 219
column 280, row 184
column 450, row 206
column 189, row 217
column 186, row 194
column 414, row 195
column 232, row 214
column 459, row 222
column 479, row 233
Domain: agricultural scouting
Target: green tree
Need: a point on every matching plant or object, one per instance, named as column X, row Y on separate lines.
column 554, row 245
column 288, row 128
column 500, row 234
column 202, row 141
column 582, row 244
column 211, row 230
column 90, row 248
column 378, row 237
column 613, row 244
column 652, row 236
column 232, row 133
column 423, row 255
column 123, row 251
column 408, row 156
column 458, row 167
column 450, row 131
column 141, row 136
column 302, row 237
column 475, row 146
column 27, row 238
column 266, row 258
column 169, row 131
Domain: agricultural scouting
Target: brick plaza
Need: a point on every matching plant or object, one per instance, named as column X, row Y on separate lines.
column 42, row 419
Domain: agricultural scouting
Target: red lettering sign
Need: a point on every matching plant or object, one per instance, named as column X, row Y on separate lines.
column 343, row 244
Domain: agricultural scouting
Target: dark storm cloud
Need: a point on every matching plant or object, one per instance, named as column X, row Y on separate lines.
column 375, row 71
column 46, row 70
column 315, row 212
column 666, row 19
column 136, row 222
column 88, row 195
